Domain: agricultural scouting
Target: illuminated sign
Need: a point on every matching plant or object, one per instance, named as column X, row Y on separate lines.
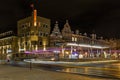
column 35, row 17
column 21, row 49
column 9, row 51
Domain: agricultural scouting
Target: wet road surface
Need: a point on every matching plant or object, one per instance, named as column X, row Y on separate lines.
column 108, row 70
column 102, row 70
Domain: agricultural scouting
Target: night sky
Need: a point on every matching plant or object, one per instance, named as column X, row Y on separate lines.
column 92, row 16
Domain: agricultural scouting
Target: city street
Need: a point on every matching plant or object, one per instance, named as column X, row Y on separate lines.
column 108, row 69
column 8, row 72
column 68, row 71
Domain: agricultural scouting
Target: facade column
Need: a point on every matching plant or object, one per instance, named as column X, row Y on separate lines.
column 44, row 47
column 71, row 51
column 63, row 54
column 102, row 53
column 91, row 52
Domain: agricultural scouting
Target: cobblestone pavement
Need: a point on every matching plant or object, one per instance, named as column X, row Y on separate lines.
column 18, row 73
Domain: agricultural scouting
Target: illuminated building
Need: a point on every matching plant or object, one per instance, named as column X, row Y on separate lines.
column 8, row 44
column 33, row 33
column 66, row 32
column 55, row 36
column 70, row 42
column 33, row 37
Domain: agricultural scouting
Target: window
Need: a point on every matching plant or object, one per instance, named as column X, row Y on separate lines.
column 72, row 38
column 46, row 34
column 22, row 26
column 21, row 35
column 43, row 25
column 32, row 33
column 56, row 34
column 39, row 24
column 29, row 24
column 40, row 42
column 40, row 34
column 28, row 34
column 46, row 26
column 26, row 43
column 75, row 39
column 54, row 43
column 43, row 34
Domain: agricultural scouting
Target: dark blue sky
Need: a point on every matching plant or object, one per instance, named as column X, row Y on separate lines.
column 98, row 16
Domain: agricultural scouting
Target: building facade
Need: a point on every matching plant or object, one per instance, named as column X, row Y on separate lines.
column 35, row 40
column 70, row 42
column 8, row 45
column 33, row 33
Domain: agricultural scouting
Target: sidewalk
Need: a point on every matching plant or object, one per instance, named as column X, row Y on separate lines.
column 18, row 73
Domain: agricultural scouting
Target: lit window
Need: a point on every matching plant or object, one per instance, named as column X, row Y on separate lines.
column 75, row 39
column 39, row 24
column 29, row 24
column 72, row 38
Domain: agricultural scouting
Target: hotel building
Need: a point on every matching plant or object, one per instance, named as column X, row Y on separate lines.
column 34, row 38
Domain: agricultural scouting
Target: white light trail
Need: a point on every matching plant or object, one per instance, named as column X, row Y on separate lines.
column 86, row 45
